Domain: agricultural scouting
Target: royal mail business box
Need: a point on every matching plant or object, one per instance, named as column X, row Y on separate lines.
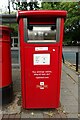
column 41, row 36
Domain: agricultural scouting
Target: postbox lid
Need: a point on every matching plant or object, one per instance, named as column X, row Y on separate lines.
column 42, row 13
column 41, row 16
column 55, row 13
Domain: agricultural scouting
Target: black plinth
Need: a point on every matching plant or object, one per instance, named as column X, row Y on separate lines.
column 6, row 94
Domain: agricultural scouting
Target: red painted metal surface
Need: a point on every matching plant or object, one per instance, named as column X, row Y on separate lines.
column 41, row 83
column 38, row 97
column 5, row 57
column 41, row 16
column 42, row 13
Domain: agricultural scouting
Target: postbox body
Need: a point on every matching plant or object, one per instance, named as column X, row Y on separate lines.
column 5, row 65
column 41, row 35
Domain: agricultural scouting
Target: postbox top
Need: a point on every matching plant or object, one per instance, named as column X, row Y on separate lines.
column 41, row 15
column 5, row 28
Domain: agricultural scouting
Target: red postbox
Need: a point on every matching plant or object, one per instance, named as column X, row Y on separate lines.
column 41, row 36
column 6, row 90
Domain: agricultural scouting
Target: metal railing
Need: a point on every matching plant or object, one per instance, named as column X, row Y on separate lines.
column 15, row 56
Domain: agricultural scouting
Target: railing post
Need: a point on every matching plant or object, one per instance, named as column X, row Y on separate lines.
column 77, row 60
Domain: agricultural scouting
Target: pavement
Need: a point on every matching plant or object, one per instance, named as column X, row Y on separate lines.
column 68, row 99
column 69, row 92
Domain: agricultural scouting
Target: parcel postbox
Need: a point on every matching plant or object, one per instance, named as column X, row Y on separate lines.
column 6, row 89
column 41, row 36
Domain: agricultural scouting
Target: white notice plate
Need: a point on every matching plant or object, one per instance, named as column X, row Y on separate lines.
column 41, row 59
column 41, row 48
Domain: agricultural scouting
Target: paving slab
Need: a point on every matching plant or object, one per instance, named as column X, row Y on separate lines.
column 71, row 109
column 16, row 78
column 70, row 100
column 72, row 115
column 6, row 116
column 71, row 73
column 31, row 114
column 69, row 92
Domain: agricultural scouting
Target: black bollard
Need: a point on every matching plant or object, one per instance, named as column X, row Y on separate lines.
column 63, row 58
column 77, row 58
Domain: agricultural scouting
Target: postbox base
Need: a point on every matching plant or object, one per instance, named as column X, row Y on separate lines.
column 7, row 94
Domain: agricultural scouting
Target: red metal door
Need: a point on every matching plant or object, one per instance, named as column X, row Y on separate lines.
column 41, row 77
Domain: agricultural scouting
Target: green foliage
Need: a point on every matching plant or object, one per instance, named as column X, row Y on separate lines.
column 72, row 23
column 46, row 6
column 26, row 5
column 71, row 7
column 22, row 6
column 14, row 27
